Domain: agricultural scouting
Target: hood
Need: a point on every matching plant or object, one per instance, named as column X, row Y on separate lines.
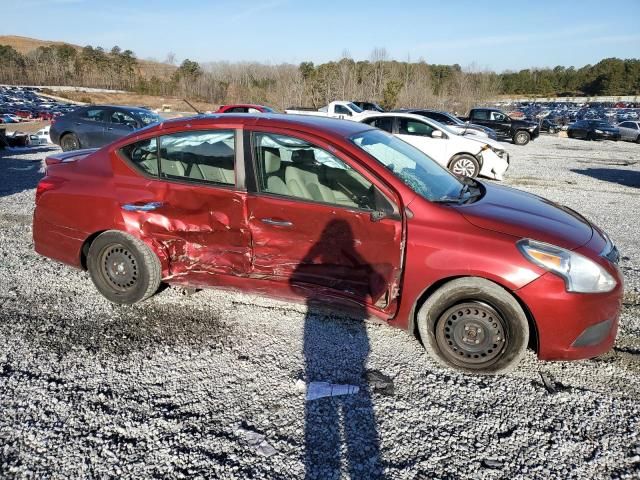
column 487, row 141
column 513, row 212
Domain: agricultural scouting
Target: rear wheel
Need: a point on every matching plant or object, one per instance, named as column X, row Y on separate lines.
column 123, row 268
column 69, row 141
column 638, row 139
column 521, row 138
column 474, row 325
column 465, row 165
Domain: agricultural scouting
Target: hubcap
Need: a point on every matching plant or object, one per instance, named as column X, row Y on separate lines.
column 119, row 267
column 521, row 138
column 464, row 167
column 471, row 333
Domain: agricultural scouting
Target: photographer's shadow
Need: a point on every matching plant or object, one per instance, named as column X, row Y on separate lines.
column 341, row 428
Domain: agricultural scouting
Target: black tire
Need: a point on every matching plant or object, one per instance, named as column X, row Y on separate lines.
column 123, row 268
column 638, row 139
column 473, row 308
column 465, row 165
column 69, row 141
column 521, row 137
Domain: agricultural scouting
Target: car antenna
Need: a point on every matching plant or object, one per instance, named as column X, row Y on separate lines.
column 188, row 103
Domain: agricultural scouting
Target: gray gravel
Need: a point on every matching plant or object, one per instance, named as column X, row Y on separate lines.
column 208, row 385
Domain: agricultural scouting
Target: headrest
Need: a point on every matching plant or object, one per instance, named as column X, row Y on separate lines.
column 303, row 156
column 271, row 161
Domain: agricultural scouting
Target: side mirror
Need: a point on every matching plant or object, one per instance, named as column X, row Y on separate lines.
column 437, row 134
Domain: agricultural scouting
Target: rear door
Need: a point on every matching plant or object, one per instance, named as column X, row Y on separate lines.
column 90, row 127
column 310, row 215
column 179, row 192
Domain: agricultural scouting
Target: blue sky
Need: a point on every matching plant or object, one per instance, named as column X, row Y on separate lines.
column 497, row 35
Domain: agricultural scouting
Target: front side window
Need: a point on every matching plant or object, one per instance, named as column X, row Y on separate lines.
column 292, row 167
column 408, row 126
column 415, row 169
column 342, row 110
column 143, row 155
column 200, row 156
column 497, row 116
column 122, row 118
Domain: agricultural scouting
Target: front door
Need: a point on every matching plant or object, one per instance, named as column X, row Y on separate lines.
column 120, row 124
column 184, row 199
column 419, row 134
column 312, row 226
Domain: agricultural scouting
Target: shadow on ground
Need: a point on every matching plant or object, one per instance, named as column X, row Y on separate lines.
column 628, row 178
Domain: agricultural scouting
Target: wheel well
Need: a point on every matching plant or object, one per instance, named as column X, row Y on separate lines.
column 84, row 251
column 413, row 323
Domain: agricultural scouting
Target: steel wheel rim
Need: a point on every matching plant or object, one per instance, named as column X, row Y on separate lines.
column 119, row 268
column 471, row 334
column 464, row 167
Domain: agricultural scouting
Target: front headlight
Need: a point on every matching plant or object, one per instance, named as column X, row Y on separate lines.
column 497, row 151
column 580, row 274
column 598, row 131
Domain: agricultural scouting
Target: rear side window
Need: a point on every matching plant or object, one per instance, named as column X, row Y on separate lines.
column 480, row 115
column 200, row 156
column 93, row 114
column 143, row 155
column 384, row 123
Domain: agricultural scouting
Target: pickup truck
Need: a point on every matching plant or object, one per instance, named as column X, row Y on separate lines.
column 337, row 109
column 520, row 131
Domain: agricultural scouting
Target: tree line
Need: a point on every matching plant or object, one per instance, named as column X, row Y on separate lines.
column 390, row 82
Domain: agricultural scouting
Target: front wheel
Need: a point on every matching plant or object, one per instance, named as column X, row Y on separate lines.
column 475, row 326
column 465, row 165
column 521, row 138
column 123, row 268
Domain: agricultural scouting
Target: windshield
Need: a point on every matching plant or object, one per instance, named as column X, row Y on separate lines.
column 455, row 120
column 149, row 117
column 354, row 107
column 415, row 169
column 441, row 126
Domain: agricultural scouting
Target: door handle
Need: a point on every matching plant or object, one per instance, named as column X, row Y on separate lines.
column 277, row 223
column 109, row 128
column 147, row 207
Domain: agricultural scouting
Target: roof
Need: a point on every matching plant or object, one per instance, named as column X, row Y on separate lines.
column 310, row 123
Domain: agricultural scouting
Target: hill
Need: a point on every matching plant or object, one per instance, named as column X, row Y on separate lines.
column 24, row 45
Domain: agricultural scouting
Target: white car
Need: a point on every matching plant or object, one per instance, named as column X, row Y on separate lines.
column 630, row 131
column 337, row 109
column 465, row 155
column 41, row 137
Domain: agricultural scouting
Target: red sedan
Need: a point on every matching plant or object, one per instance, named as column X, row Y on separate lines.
column 245, row 108
column 345, row 214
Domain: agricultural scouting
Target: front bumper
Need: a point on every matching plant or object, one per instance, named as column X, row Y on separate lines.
column 573, row 326
column 608, row 136
column 494, row 166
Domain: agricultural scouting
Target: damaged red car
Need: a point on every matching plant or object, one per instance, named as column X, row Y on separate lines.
column 341, row 213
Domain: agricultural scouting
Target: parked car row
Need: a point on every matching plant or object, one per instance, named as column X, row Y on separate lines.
column 21, row 104
column 341, row 214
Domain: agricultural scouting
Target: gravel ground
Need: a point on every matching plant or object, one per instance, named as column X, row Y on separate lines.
column 212, row 385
